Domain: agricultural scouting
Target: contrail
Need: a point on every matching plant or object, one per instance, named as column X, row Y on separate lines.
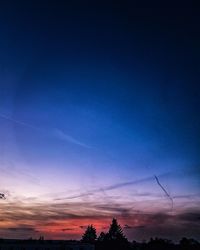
column 107, row 188
column 167, row 194
column 57, row 133
column 18, row 122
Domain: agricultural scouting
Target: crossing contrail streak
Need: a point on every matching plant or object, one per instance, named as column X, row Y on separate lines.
column 164, row 190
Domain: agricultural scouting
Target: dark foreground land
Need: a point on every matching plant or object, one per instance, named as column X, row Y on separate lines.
column 12, row 244
column 152, row 244
column 114, row 239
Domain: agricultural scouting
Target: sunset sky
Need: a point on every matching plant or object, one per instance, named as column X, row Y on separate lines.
column 99, row 118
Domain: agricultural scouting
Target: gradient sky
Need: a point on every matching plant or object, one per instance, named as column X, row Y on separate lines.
column 99, row 104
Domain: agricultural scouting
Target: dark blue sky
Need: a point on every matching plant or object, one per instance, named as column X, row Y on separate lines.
column 95, row 94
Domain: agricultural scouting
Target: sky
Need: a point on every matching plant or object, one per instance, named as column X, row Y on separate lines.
column 99, row 118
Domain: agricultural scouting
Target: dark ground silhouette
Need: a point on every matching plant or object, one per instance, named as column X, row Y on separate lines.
column 115, row 239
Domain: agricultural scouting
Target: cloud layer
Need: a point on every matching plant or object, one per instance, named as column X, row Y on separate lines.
column 68, row 220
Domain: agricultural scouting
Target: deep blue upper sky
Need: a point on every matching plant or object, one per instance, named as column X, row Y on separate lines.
column 92, row 88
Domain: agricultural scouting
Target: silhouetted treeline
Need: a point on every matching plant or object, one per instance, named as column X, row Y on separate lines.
column 115, row 239
column 164, row 244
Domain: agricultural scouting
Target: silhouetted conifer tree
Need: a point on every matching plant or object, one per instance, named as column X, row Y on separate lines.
column 102, row 236
column 189, row 244
column 90, row 235
column 115, row 232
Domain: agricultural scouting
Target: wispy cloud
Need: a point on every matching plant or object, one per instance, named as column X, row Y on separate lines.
column 49, row 217
column 9, row 170
column 65, row 137
column 67, row 229
column 187, row 196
